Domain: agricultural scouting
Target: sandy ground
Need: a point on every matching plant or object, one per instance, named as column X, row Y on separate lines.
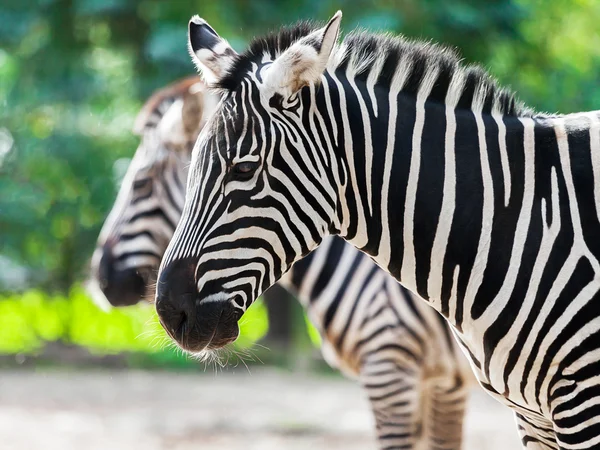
column 264, row 410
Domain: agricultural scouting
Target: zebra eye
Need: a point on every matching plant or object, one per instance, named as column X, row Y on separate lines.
column 244, row 170
column 140, row 184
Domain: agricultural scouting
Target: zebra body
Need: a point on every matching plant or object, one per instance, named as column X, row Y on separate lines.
column 400, row 349
column 485, row 209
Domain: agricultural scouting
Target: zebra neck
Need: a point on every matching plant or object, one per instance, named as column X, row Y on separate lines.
column 308, row 276
column 319, row 280
column 441, row 196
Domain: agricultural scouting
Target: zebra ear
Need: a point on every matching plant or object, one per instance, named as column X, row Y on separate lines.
column 182, row 121
column 305, row 61
column 171, row 127
column 211, row 53
column 198, row 106
column 192, row 111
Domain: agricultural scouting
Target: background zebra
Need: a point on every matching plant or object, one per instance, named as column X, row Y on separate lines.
column 399, row 349
column 488, row 211
column 141, row 223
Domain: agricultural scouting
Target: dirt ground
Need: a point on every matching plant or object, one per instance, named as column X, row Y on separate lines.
column 264, row 410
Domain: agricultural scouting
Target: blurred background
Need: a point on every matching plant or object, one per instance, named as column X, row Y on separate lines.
column 73, row 75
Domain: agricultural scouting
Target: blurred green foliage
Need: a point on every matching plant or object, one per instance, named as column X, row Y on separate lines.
column 30, row 319
column 74, row 73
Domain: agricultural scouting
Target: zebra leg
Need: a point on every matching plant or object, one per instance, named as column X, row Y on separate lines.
column 446, row 405
column 536, row 433
column 394, row 389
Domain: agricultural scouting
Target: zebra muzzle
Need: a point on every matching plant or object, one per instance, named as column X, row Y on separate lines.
column 195, row 324
column 198, row 326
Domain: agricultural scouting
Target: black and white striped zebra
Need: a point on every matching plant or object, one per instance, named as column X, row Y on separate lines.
column 484, row 208
column 399, row 348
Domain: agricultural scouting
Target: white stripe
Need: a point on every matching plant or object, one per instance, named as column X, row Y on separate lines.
column 385, row 247
column 245, row 95
column 487, row 218
column 444, row 225
column 453, row 300
column 503, row 157
column 372, row 78
column 408, row 272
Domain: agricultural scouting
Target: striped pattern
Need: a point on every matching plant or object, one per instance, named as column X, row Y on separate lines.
column 399, row 349
column 485, row 209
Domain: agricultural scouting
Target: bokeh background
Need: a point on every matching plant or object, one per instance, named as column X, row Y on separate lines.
column 73, row 75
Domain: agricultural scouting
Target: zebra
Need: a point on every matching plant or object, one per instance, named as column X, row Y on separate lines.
column 398, row 348
column 141, row 223
column 483, row 207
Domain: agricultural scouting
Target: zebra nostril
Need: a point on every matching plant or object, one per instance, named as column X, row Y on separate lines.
column 184, row 313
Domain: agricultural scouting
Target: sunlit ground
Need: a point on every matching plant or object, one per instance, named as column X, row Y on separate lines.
column 263, row 410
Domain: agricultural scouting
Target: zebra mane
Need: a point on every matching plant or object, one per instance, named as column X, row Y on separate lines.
column 159, row 102
column 361, row 49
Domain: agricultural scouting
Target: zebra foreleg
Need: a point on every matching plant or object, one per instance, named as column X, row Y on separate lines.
column 445, row 412
column 394, row 391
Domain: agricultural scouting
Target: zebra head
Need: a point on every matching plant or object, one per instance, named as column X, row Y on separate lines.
column 148, row 206
column 252, row 208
